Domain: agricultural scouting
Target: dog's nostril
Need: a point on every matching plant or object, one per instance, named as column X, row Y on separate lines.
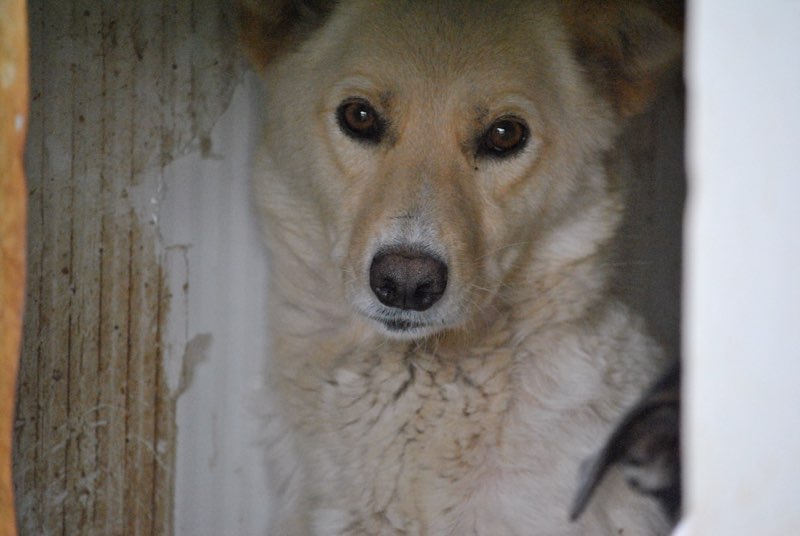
column 407, row 279
column 386, row 290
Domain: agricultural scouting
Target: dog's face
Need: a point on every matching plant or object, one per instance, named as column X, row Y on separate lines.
column 442, row 144
column 443, row 154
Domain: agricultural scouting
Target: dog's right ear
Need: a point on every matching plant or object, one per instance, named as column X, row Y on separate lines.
column 626, row 47
column 267, row 28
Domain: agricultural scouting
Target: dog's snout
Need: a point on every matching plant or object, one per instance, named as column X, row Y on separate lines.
column 407, row 279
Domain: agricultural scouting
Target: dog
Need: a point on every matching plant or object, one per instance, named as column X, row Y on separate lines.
column 440, row 215
column 647, row 445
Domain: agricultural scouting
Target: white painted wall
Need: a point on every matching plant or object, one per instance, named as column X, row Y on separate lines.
column 742, row 315
column 216, row 326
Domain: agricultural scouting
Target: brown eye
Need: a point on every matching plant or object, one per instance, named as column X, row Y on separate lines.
column 360, row 121
column 503, row 138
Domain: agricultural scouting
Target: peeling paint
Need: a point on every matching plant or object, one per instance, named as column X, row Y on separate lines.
column 216, row 274
column 196, row 353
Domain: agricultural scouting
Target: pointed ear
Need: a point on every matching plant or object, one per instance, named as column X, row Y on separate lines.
column 626, row 47
column 268, row 28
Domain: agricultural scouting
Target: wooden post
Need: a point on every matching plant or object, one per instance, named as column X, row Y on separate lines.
column 13, row 123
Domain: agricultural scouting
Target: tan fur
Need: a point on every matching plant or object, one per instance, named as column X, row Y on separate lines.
column 476, row 422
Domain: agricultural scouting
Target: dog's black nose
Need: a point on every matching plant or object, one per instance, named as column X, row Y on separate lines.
column 407, row 279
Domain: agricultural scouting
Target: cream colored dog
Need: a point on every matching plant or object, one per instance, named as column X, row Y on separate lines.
column 438, row 211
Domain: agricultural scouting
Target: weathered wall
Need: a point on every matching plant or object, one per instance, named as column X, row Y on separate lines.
column 121, row 92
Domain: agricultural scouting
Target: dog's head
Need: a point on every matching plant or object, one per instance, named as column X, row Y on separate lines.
column 441, row 146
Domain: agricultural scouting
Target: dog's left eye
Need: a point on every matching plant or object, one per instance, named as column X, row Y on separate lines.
column 503, row 138
column 359, row 120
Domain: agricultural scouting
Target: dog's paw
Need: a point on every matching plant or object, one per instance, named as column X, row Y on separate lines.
column 646, row 446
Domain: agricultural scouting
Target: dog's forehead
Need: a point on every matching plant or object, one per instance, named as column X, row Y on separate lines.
column 477, row 42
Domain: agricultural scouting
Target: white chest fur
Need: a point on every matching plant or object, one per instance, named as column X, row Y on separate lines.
column 412, row 441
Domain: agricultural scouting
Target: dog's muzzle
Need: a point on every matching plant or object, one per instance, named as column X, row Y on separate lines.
column 407, row 279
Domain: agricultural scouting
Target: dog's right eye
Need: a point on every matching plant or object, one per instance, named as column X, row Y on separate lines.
column 359, row 120
column 504, row 137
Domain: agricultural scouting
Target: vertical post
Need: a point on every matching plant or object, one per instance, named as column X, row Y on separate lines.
column 13, row 121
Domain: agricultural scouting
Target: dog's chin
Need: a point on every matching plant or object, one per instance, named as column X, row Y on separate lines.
column 403, row 326
column 404, row 329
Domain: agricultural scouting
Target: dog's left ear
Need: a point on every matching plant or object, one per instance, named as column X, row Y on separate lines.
column 627, row 47
column 269, row 28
